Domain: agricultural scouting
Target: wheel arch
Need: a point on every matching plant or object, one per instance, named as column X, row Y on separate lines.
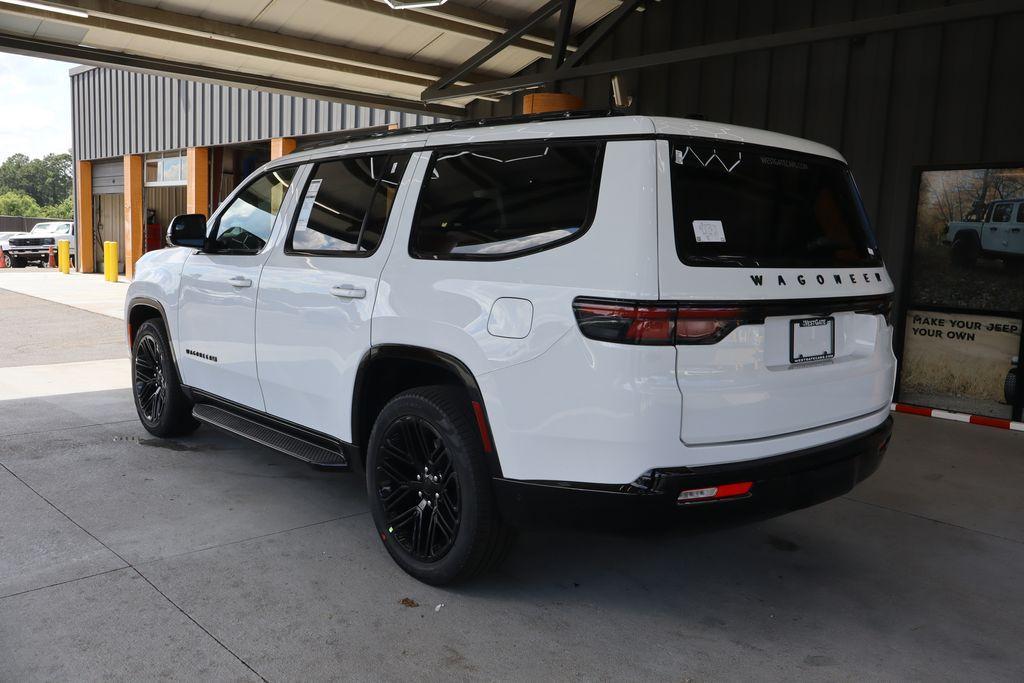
column 389, row 369
column 967, row 233
column 142, row 309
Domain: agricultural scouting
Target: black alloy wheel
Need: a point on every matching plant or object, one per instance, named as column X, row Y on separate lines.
column 150, row 383
column 418, row 488
column 163, row 407
column 429, row 487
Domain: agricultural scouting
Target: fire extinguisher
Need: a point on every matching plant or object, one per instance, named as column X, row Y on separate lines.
column 154, row 233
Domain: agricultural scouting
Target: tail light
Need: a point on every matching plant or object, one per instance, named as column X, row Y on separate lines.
column 653, row 324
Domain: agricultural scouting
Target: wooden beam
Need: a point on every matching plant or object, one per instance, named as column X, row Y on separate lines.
column 85, row 262
column 279, row 147
column 132, row 212
column 197, row 190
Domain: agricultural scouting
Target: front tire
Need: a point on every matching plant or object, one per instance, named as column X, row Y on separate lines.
column 429, row 487
column 163, row 408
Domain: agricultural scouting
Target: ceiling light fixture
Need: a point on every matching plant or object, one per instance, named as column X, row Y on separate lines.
column 48, row 8
column 413, row 4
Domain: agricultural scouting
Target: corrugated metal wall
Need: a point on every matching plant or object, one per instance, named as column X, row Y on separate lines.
column 948, row 94
column 119, row 112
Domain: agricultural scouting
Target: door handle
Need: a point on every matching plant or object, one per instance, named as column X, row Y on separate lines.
column 348, row 292
column 1014, row 229
column 240, row 281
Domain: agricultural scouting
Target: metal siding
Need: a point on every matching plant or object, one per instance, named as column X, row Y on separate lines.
column 888, row 101
column 118, row 112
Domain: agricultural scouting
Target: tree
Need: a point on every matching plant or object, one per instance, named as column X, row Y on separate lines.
column 14, row 203
column 66, row 209
column 46, row 180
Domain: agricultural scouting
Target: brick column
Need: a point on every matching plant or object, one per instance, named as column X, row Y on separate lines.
column 84, row 260
column 132, row 212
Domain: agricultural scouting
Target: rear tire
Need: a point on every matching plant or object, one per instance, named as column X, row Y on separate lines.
column 163, row 407
column 429, row 487
column 1010, row 385
column 965, row 251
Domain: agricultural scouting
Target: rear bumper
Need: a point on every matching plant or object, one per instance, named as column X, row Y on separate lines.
column 781, row 483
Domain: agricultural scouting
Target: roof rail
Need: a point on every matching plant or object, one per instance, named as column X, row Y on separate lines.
column 355, row 135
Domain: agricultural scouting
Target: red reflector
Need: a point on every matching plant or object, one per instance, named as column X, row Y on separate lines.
column 481, row 424
column 714, row 492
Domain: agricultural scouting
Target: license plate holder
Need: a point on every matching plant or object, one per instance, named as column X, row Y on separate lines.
column 812, row 340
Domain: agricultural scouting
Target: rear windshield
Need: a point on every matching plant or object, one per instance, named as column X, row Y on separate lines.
column 736, row 205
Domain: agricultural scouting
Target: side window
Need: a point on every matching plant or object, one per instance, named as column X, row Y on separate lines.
column 346, row 205
column 1002, row 213
column 245, row 225
column 1020, row 212
column 498, row 202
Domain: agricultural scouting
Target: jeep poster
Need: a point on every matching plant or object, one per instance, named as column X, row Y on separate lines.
column 962, row 334
column 969, row 240
column 960, row 362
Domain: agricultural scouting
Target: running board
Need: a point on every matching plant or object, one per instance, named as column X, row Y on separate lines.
column 289, row 444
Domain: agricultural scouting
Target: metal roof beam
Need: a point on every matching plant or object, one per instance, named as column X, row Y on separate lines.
column 460, row 20
column 99, row 57
column 498, row 44
column 130, row 13
column 892, row 22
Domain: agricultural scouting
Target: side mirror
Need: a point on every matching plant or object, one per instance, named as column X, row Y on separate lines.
column 187, row 230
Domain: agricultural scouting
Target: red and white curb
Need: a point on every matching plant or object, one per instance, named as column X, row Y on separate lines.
column 958, row 417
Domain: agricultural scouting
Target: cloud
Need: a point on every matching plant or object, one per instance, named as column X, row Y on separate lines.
column 35, row 106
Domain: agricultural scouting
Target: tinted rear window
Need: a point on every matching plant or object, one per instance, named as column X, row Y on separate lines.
column 736, row 205
column 498, row 202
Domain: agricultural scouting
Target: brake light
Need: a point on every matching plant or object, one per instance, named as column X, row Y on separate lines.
column 644, row 323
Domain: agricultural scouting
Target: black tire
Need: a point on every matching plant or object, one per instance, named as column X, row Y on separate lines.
column 8, row 263
column 163, row 407
column 1010, row 385
column 965, row 251
column 441, row 526
column 17, row 262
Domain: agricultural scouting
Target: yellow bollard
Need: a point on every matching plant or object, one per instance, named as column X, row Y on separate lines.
column 64, row 256
column 110, row 261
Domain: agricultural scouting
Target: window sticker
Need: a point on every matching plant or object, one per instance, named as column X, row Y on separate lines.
column 708, row 231
column 307, row 204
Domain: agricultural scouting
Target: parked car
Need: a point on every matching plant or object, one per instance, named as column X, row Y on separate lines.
column 998, row 234
column 558, row 319
column 5, row 246
column 34, row 246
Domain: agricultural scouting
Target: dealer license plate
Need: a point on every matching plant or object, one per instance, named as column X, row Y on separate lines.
column 812, row 340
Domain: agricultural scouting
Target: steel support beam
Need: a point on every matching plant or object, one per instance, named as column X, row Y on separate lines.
column 457, row 19
column 892, row 22
column 159, row 23
column 99, row 57
column 498, row 44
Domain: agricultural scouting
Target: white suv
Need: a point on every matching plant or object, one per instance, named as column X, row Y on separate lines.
column 551, row 319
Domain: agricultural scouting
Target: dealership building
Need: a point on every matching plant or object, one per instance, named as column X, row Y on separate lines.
column 148, row 147
column 920, row 97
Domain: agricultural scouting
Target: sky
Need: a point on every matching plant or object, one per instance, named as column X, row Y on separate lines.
column 35, row 106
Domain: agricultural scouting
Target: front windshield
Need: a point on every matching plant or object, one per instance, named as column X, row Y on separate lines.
column 41, row 228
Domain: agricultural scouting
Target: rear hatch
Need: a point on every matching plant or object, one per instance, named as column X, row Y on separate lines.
column 782, row 299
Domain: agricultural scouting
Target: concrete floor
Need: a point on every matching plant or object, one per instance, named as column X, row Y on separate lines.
column 126, row 557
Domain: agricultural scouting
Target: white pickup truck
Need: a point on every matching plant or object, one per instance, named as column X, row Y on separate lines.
column 34, row 246
column 999, row 234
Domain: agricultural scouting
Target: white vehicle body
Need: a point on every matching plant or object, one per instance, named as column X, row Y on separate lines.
column 1000, row 234
column 287, row 334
